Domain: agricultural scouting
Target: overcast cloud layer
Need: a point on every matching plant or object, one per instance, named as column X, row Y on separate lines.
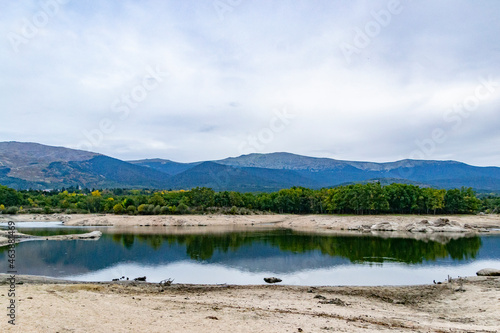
column 196, row 80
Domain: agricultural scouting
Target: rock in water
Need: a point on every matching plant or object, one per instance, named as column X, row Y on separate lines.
column 272, row 280
column 489, row 272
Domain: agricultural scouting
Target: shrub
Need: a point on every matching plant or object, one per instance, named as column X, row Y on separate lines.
column 118, row 208
column 12, row 210
column 182, row 208
column 131, row 210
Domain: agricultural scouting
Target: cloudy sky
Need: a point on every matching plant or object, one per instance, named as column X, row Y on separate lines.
column 191, row 80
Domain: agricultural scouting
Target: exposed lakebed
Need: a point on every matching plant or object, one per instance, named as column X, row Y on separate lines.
column 247, row 255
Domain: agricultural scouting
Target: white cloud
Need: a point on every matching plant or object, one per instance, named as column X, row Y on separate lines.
column 227, row 77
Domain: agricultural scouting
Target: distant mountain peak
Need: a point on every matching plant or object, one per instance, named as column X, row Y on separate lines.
column 31, row 165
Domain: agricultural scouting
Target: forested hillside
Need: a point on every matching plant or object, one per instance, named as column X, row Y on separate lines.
column 26, row 166
column 371, row 198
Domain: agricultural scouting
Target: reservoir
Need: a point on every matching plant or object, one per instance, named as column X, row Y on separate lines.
column 246, row 256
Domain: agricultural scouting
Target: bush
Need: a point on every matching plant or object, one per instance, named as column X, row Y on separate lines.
column 131, row 210
column 118, row 208
column 182, row 208
column 146, row 209
column 36, row 210
column 12, row 210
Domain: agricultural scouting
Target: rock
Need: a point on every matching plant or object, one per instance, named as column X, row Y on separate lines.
column 488, row 272
column 272, row 280
column 90, row 235
column 363, row 227
column 384, row 226
column 422, row 226
column 336, row 301
column 441, row 222
column 440, row 225
column 141, row 278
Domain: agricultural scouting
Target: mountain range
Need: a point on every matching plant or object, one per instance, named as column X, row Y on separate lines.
column 36, row 166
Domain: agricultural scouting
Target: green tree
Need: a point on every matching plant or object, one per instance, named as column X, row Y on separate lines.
column 118, row 209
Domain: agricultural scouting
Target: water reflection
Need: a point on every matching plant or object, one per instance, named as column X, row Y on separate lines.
column 242, row 257
column 357, row 249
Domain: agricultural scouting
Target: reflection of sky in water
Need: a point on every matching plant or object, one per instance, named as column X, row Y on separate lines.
column 246, row 258
column 34, row 224
column 386, row 274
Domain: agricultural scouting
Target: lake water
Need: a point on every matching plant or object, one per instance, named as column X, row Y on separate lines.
column 247, row 256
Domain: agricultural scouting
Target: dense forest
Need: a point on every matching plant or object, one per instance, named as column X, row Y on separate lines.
column 371, row 198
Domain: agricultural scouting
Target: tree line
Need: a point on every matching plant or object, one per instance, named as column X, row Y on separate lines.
column 371, row 198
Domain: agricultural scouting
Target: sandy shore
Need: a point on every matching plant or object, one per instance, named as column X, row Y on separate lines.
column 297, row 222
column 470, row 305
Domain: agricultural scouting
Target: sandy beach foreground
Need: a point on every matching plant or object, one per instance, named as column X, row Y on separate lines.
column 465, row 305
column 468, row 305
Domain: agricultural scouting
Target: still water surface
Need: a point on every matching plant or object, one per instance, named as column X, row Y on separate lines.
column 247, row 256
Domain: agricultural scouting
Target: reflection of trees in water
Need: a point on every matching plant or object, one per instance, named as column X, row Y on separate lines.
column 354, row 248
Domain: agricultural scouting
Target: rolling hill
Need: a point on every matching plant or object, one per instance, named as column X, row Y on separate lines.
column 32, row 165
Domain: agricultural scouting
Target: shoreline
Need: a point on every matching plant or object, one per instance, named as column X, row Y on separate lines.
column 473, row 223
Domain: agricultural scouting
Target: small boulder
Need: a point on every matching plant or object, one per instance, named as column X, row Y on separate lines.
column 441, row 222
column 488, row 272
column 272, row 280
column 384, row 226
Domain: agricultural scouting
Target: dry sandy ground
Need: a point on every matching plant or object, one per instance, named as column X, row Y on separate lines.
column 310, row 222
column 472, row 305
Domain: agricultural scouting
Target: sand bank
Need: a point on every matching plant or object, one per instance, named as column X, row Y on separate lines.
column 332, row 222
column 468, row 305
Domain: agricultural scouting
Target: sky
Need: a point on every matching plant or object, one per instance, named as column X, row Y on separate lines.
column 196, row 80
